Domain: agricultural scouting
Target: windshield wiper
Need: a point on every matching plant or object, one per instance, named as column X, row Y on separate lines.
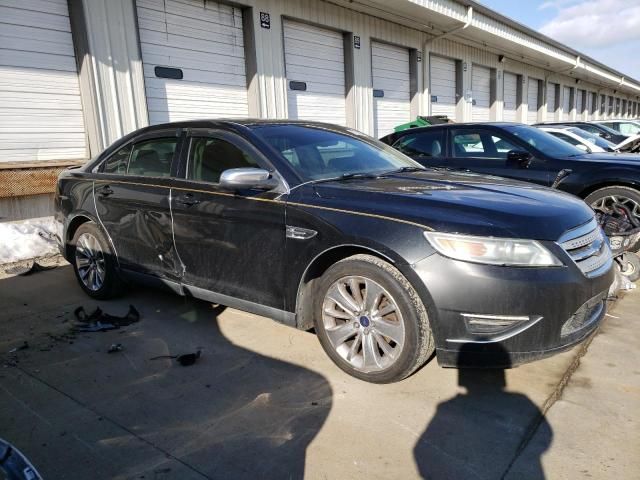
column 345, row 176
column 404, row 170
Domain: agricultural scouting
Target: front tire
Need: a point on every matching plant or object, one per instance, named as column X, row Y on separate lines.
column 94, row 262
column 370, row 320
column 630, row 266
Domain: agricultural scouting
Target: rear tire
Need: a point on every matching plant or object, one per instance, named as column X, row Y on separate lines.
column 94, row 262
column 370, row 320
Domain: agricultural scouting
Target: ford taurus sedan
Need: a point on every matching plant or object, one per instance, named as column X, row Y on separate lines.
column 321, row 227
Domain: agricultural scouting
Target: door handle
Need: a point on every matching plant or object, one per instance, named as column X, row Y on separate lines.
column 187, row 200
column 106, row 191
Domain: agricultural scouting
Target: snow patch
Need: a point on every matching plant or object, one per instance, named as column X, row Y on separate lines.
column 28, row 239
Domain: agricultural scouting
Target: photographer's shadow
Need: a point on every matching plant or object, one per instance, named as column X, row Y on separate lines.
column 478, row 433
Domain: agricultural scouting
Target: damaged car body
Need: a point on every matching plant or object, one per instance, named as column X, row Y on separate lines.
column 322, row 227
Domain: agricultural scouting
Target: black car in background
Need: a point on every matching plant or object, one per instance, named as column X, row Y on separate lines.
column 595, row 128
column 322, row 227
column 526, row 153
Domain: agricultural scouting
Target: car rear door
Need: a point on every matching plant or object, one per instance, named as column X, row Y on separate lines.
column 132, row 203
column 230, row 242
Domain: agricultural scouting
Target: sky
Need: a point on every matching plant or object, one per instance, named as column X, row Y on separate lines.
column 606, row 30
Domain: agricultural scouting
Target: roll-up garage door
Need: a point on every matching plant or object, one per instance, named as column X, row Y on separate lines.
column 391, row 87
column 566, row 103
column 40, row 107
column 481, row 88
column 442, row 78
column 579, row 103
column 314, row 62
column 532, row 100
column 193, row 59
column 510, row 113
column 551, row 99
column 588, row 98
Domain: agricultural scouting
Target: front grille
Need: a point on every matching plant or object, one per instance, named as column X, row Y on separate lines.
column 588, row 248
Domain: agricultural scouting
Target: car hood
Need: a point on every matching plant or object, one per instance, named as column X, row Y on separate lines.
column 465, row 203
column 618, row 158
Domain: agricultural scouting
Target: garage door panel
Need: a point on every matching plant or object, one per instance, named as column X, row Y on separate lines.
column 566, row 103
column 532, row 100
column 390, row 74
column 203, row 39
column 30, row 18
column 315, row 56
column 510, row 111
column 442, row 81
column 40, row 107
column 481, row 88
column 551, row 97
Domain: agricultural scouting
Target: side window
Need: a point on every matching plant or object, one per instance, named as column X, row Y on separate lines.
column 628, row 129
column 469, row 144
column 502, row 146
column 209, row 157
column 117, row 162
column 566, row 138
column 423, row 144
column 152, row 158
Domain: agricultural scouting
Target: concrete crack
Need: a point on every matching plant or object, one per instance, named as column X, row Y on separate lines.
column 166, row 453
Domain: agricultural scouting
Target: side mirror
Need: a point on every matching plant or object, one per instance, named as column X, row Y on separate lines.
column 247, row 178
column 519, row 159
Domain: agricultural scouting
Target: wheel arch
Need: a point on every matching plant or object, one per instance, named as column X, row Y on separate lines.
column 314, row 270
column 73, row 226
column 609, row 183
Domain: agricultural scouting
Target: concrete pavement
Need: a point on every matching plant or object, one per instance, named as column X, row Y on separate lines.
column 264, row 401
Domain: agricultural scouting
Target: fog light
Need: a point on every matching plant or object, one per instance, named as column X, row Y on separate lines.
column 480, row 323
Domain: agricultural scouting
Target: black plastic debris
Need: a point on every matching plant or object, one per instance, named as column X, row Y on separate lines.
column 115, row 347
column 99, row 321
column 186, row 359
column 24, row 346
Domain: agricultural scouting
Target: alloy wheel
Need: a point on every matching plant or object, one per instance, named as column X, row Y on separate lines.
column 90, row 262
column 363, row 323
column 604, row 204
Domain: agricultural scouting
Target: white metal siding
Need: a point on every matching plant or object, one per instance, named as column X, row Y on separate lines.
column 551, row 99
column 391, row 76
column 510, row 113
column 566, row 103
column 315, row 56
column 442, row 77
column 205, row 40
column 532, row 100
column 40, row 108
column 481, row 88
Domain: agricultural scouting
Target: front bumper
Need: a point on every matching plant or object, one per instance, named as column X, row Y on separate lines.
column 492, row 316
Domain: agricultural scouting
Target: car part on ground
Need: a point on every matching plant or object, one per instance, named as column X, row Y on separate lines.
column 321, row 226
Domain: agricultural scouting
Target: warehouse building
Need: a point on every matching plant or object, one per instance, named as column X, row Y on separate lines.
column 76, row 75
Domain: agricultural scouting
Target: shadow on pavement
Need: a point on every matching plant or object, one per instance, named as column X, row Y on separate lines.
column 234, row 414
column 478, row 433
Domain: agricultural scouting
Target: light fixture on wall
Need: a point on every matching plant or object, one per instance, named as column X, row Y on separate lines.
column 578, row 81
column 501, row 58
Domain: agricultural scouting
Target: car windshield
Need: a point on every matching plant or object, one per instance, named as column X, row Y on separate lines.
column 543, row 141
column 591, row 138
column 606, row 129
column 318, row 153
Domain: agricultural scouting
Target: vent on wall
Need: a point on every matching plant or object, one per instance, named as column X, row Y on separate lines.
column 168, row 72
column 302, row 86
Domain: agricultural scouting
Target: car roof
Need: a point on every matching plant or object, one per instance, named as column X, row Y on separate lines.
column 231, row 122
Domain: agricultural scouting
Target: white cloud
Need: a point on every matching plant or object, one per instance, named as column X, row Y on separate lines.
column 594, row 23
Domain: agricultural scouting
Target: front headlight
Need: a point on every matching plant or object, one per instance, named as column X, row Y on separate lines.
column 492, row 251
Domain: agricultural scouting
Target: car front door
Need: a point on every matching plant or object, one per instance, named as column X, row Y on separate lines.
column 132, row 202
column 487, row 151
column 230, row 242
